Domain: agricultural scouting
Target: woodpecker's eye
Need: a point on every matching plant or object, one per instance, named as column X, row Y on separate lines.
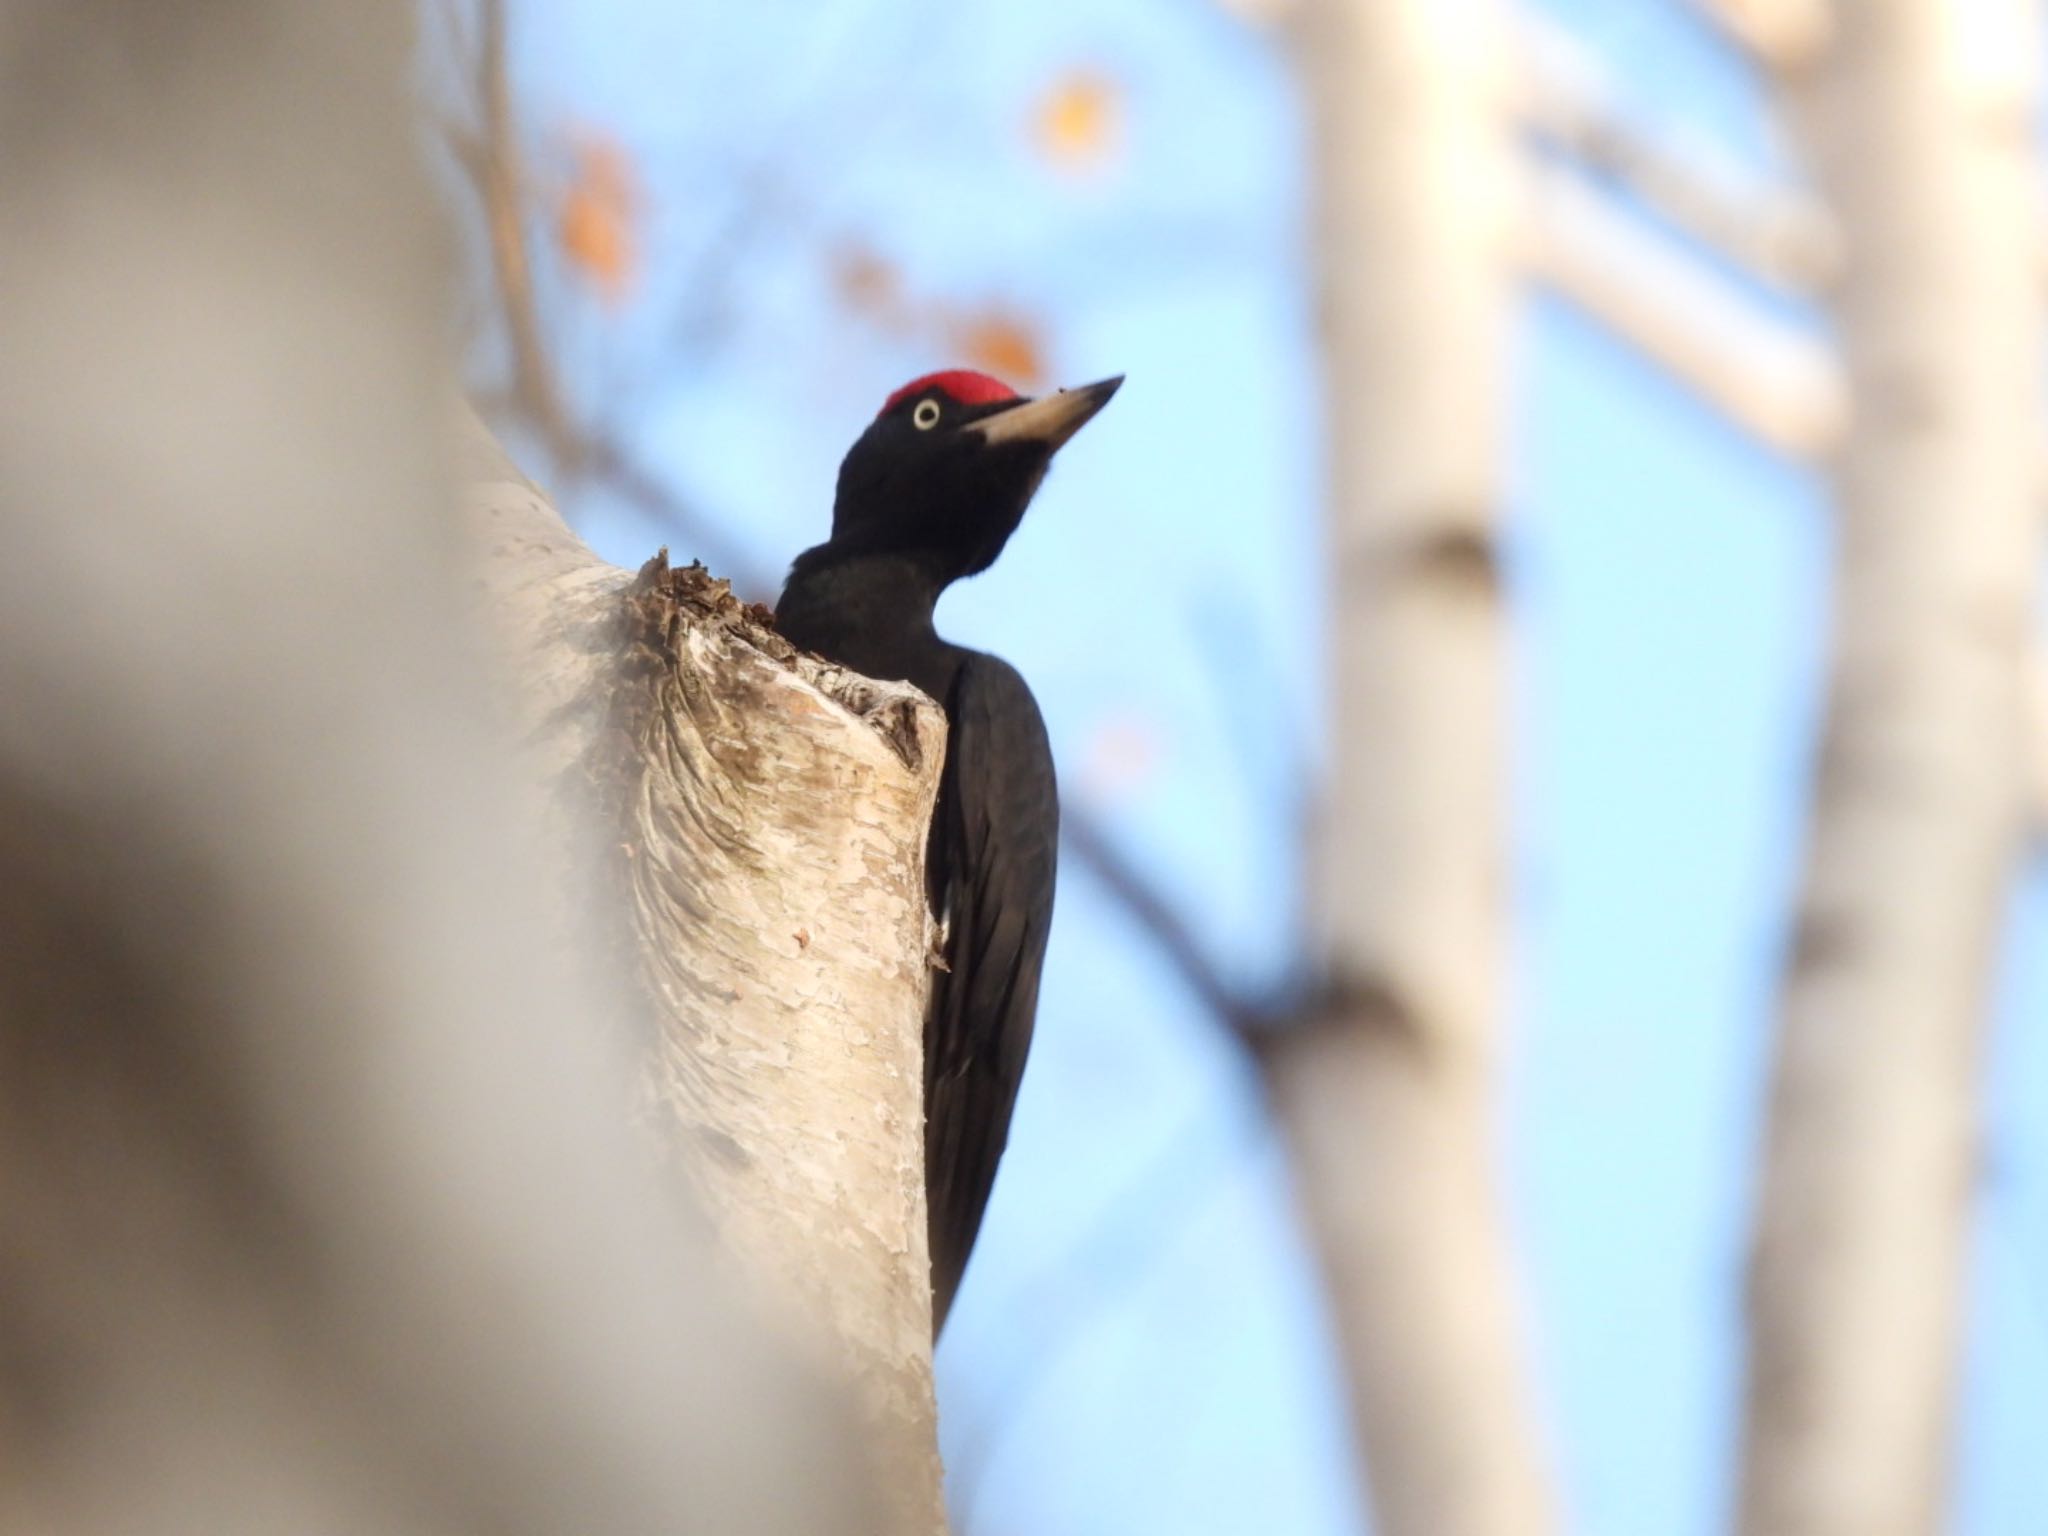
column 926, row 416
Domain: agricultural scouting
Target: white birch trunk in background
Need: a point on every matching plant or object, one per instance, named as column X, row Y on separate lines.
column 1916, row 118
column 1388, row 1096
column 321, row 1210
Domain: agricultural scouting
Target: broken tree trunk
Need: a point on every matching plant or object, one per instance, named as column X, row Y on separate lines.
column 764, row 817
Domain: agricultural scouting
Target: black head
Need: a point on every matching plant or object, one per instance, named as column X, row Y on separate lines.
column 945, row 472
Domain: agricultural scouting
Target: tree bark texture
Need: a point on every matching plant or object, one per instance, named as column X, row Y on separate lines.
column 1916, row 120
column 764, row 819
column 1387, row 1097
column 319, row 1204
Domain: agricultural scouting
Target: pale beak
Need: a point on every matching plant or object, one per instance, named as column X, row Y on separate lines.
column 1048, row 421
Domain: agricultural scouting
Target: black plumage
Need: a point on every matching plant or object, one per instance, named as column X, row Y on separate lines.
column 930, row 493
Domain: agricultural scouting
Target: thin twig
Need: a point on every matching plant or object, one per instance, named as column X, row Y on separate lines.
column 1774, row 380
column 1780, row 234
column 1273, row 758
column 1148, row 906
column 501, row 180
column 492, row 160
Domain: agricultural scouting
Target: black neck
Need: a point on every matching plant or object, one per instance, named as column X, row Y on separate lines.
column 868, row 611
column 906, row 583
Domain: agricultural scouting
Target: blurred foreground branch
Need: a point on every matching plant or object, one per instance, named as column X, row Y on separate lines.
column 1780, row 384
column 321, row 1211
column 1917, row 121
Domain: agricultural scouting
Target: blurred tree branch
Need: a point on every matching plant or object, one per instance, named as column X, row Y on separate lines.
column 1769, row 377
column 1773, row 379
column 1159, row 919
column 1563, row 96
column 1781, row 235
column 1783, row 34
column 492, row 162
column 498, row 167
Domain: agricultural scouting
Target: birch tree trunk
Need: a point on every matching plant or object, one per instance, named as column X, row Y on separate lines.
column 1387, row 1096
column 321, row 1210
column 763, row 825
column 1917, row 121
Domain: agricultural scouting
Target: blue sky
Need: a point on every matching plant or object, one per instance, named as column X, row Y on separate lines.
column 1140, row 1346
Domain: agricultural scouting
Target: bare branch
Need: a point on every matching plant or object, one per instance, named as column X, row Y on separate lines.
column 1769, row 378
column 1781, row 235
column 585, row 455
column 501, row 180
column 1169, row 930
column 1783, row 34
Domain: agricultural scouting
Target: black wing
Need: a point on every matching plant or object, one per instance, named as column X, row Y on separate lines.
column 994, row 840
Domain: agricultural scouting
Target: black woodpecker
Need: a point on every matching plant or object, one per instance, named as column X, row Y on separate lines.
column 931, row 493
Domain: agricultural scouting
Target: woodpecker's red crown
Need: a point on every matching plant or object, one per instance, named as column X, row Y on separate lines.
column 963, row 386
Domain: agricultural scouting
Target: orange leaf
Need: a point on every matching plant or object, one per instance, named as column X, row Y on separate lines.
column 1001, row 344
column 1078, row 124
column 596, row 219
column 865, row 281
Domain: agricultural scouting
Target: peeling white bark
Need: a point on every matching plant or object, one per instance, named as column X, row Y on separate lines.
column 765, row 818
column 1917, row 122
column 1388, row 1099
